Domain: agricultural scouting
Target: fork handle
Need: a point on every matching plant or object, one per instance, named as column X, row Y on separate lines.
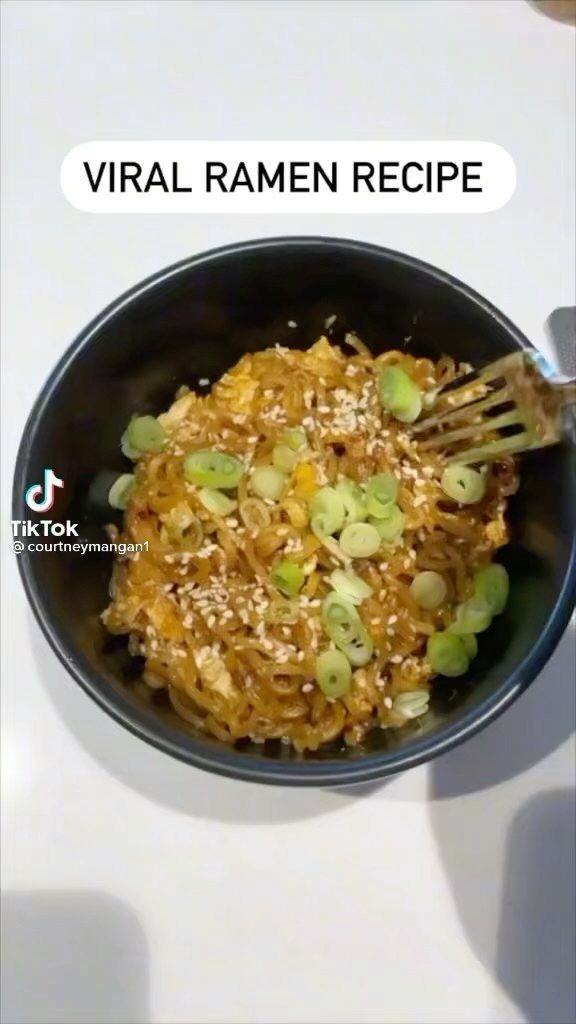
column 560, row 380
column 561, row 325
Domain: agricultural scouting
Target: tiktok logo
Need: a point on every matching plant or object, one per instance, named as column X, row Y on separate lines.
column 40, row 497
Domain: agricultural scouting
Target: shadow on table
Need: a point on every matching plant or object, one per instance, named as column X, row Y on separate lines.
column 72, row 958
column 536, row 936
column 513, row 883
column 536, row 725
column 161, row 778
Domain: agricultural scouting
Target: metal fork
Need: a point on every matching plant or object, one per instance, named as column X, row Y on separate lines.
column 515, row 404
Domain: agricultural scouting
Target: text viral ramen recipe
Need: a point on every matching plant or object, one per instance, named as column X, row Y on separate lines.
column 311, row 566
column 294, row 176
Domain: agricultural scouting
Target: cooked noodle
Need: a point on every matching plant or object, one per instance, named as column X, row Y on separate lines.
column 238, row 659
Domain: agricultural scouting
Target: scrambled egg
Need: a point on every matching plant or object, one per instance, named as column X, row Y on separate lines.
column 179, row 411
column 216, row 676
column 497, row 532
column 323, row 358
column 236, row 390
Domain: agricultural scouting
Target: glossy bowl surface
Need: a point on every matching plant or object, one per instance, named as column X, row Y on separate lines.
column 194, row 320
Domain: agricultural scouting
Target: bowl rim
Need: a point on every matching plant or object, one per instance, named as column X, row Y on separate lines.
column 230, row 763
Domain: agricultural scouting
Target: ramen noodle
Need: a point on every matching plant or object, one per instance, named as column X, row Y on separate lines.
column 261, row 609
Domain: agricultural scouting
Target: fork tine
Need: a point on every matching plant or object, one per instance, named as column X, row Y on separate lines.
column 534, row 406
column 494, row 449
column 491, row 372
column 508, row 419
column 496, row 397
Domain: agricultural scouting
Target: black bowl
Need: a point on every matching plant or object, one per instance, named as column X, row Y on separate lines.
column 195, row 320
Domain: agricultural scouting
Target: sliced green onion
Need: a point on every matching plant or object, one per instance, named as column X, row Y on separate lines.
column 493, row 584
column 284, row 458
column 288, row 577
column 463, row 484
column 412, row 703
column 282, row 613
column 121, row 490
column 470, row 644
column 340, row 619
column 350, row 586
column 333, row 673
column 254, row 514
column 360, row 540
column 360, row 648
column 213, row 469
column 326, row 512
column 145, row 434
column 183, row 527
column 344, row 626
column 391, row 528
column 399, row 394
column 296, row 439
column 192, row 536
column 429, row 589
column 354, row 501
column 215, row 502
column 447, row 654
column 126, row 448
column 381, row 492
column 473, row 616
column 267, row 482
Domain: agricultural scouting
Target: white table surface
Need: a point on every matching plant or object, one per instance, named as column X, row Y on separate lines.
column 138, row 889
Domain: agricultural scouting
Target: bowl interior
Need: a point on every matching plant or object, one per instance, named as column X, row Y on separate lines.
column 196, row 321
